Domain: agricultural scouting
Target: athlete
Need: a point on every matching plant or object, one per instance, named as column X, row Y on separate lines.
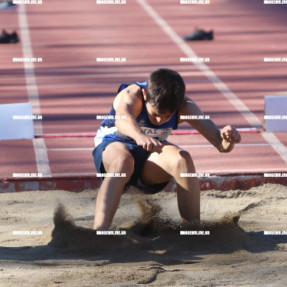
column 132, row 144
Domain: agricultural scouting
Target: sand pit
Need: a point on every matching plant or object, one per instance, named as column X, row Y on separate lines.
column 46, row 240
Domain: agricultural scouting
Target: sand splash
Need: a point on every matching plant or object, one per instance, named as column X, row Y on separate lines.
column 151, row 231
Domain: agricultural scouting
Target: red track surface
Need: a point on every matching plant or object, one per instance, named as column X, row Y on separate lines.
column 73, row 87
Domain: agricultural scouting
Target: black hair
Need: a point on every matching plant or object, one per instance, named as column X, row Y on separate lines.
column 165, row 90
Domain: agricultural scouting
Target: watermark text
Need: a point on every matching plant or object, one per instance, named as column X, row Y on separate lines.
column 111, row 232
column 194, row 232
column 111, row 174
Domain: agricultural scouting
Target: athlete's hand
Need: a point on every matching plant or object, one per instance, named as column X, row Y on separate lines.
column 149, row 143
column 230, row 134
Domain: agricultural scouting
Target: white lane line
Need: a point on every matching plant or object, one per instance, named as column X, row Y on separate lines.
column 42, row 157
column 276, row 144
column 251, row 118
column 40, row 149
column 111, row 71
column 238, row 145
column 185, row 48
column 181, row 146
column 114, row 75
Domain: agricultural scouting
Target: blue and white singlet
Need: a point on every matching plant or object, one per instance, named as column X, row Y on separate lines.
column 108, row 130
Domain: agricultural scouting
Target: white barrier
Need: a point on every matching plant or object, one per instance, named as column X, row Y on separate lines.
column 275, row 113
column 16, row 121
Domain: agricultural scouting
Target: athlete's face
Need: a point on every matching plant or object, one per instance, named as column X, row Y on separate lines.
column 155, row 117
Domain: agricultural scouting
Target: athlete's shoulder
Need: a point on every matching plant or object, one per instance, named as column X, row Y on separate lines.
column 188, row 105
column 129, row 98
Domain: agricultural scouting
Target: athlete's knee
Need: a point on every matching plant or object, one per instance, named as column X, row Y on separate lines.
column 183, row 162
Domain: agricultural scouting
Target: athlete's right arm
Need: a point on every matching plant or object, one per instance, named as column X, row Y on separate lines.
column 128, row 105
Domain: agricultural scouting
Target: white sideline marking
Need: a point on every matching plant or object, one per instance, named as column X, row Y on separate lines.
column 41, row 154
column 279, row 148
column 115, row 75
column 181, row 146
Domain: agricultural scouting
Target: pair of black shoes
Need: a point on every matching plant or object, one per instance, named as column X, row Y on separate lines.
column 7, row 5
column 199, row 35
column 6, row 38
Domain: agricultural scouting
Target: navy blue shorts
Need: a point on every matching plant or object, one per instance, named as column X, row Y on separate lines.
column 140, row 156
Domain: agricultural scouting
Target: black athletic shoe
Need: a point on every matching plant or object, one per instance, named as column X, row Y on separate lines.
column 6, row 38
column 199, row 35
column 7, row 5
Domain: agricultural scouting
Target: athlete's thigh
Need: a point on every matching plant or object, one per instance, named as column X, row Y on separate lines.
column 114, row 152
column 158, row 167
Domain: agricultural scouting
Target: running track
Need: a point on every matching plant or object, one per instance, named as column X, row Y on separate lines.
column 70, row 87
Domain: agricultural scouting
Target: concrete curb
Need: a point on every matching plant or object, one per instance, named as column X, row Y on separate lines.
column 78, row 184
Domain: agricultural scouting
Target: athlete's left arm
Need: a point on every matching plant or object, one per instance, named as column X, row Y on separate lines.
column 223, row 139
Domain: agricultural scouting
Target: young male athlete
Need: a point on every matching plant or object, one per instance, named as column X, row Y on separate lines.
column 132, row 141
